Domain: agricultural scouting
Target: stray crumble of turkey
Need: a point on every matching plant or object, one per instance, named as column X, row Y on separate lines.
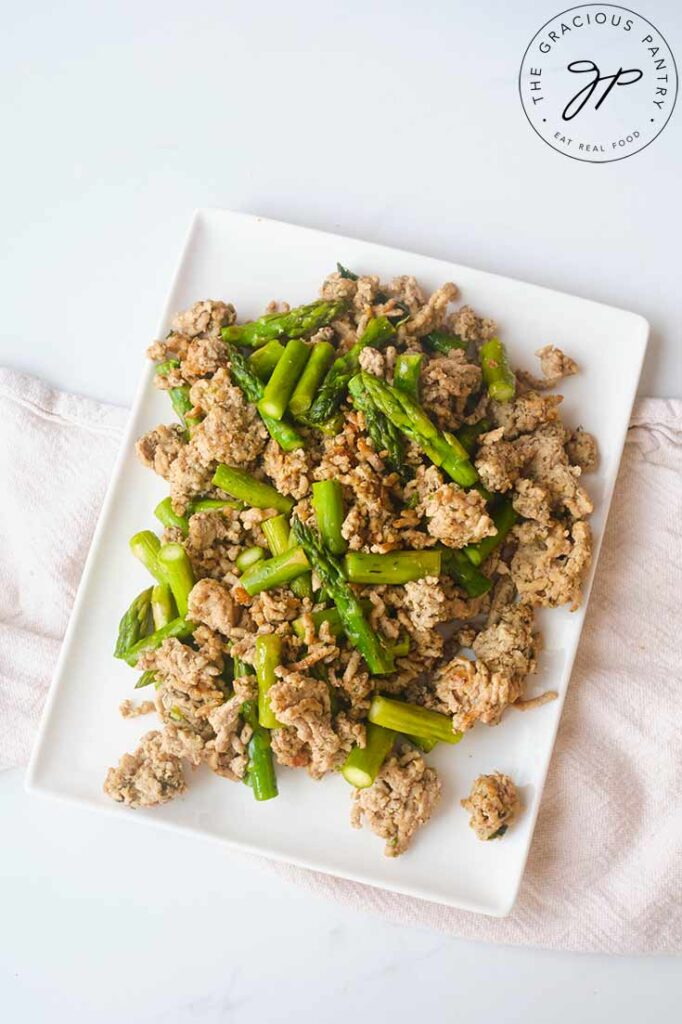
column 483, row 499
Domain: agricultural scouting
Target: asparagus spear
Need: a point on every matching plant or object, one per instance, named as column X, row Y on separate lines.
column 412, row 720
column 406, row 373
column 362, row 765
column 249, row 556
column 385, row 436
column 456, row 564
column 146, row 679
column 441, row 341
column 179, row 628
column 423, row 744
column 167, row 517
column 264, row 360
column 286, row 435
column 497, row 373
column 330, row 616
column 275, row 572
column 284, row 379
column 255, row 493
column 178, row 569
column 327, row 504
column 179, row 396
column 321, row 355
column 163, row 605
column 213, row 505
column 345, row 272
column 145, row 546
column 394, row 567
column 358, row 630
column 268, row 657
column 504, row 517
column 260, row 772
column 409, row 417
column 331, row 394
column 469, row 434
column 300, row 322
column 278, row 536
column 135, row 623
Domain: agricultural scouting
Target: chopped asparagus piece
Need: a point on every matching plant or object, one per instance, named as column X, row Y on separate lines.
column 328, row 615
column 286, row 435
column 278, row 535
column 504, row 517
column 275, row 572
column 178, row 569
column 179, row 628
column 394, row 567
column 213, row 505
column 385, row 437
column 255, row 493
column 497, row 373
column 327, row 504
column 145, row 546
column 321, row 355
column 179, row 396
column 469, row 434
column 284, row 379
column 441, row 341
column 362, row 765
column 167, row 517
column 163, row 605
column 333, row 390
column 300, row 322
column 412, row 719
column 358, row 630
column 406, row 373
column 146, row 679
column 260, row 772
column 264, row 360
column 249, row 556
column 268, row 657
column 135, row 623
column 456, row 564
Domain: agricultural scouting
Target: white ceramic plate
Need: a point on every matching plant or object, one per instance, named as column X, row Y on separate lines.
column 249, row 260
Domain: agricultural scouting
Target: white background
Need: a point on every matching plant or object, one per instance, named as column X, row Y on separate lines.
column 402, row 126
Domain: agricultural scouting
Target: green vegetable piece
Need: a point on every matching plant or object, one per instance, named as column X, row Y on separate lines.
column 178, row 569
column 346, row 273
column 260, row 772
column 406, row 373
column 363, row 764
column 412, row 719
column 255, row 493
column 264, row 360
column 358, row 630
column 268, row 657
column 386, row 438
column 167, row 517
column 146, row 679
column 395, row 567
column 328, row 615
column 249, row 556
column 286, row 435
column 456, row 564
column 145, row 546
column 497, row 373
column 423, row 744
column 284, row 379
column 504, row 518
column 213, row 505
column 135, row 623
column 163, row 605
column 327, row 504
column 275, row 572
column 179, row 396
column 333, row 390
column 469, row 434
column 179, row 628
column 278, row 535
column 321, row 355
column 300, row 322
column 441, row 341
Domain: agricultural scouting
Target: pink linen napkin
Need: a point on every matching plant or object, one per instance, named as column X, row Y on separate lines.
column 605, row 867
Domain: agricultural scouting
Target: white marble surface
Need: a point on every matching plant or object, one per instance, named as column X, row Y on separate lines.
column 405, row 128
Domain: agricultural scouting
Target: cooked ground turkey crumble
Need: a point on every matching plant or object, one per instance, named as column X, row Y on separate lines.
column 465, row 657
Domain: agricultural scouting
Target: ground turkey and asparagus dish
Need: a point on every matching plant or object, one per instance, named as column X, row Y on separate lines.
column 366, row 505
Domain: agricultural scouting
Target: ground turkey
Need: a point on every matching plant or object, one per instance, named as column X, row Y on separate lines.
column 159, row 448
column 211, row 603
column 146, row 777
column 493, row 804
column 457, row 517
column 550, row 563
column 401, row 799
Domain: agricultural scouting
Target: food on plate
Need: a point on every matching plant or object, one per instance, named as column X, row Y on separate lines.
column 493, row 804
column 367, row 503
